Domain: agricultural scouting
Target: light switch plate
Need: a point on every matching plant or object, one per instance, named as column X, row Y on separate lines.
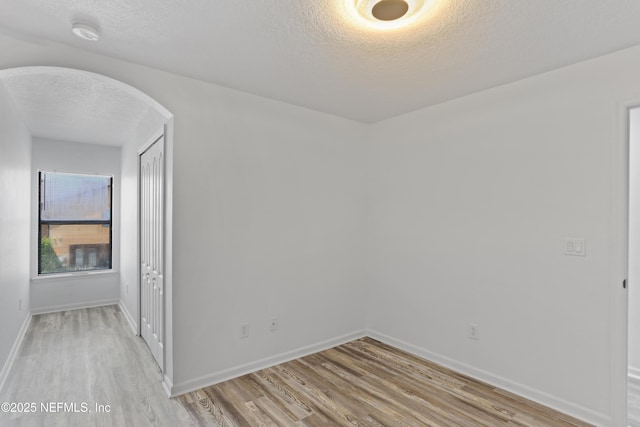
column 575, row 247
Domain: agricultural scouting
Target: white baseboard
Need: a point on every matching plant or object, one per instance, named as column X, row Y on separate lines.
column 633, row 384
column 129, row 317
column 76, row 306
column 167, row 384
column 218, row 377
column 559, row 404
column 634, row 375
column 4, row 374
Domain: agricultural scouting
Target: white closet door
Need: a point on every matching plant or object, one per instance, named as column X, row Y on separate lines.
column 152, row 248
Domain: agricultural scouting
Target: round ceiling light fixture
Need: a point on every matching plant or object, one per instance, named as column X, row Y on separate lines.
column 389, row 13
column 85, row 31
column 389, row 10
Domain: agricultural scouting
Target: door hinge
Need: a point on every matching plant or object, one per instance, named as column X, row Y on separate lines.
column 624, row 283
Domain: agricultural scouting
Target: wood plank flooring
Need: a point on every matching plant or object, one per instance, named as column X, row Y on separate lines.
column 88, row 356
column 364, row 383
column 91, row 356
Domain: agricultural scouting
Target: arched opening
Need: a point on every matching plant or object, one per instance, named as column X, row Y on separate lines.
column 77, row 120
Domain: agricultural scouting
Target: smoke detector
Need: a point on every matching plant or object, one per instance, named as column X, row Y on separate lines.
column 85, row 31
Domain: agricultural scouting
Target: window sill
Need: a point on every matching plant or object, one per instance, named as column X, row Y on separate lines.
column 73, row 276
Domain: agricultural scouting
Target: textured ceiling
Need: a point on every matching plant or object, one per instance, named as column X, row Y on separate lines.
column 314, row 54
column 76, row 106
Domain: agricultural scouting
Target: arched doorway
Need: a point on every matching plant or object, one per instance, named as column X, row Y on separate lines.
column 76, row 106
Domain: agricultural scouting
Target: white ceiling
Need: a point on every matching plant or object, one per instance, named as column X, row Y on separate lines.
column 76, row 106
column 310, row 53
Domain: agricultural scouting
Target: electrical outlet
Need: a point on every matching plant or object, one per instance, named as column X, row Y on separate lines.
column 244, row 330
column 273, row 324
column 474, row 331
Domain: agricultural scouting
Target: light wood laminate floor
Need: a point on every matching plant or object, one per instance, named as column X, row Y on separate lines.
column 365, row 383
column 88, row 356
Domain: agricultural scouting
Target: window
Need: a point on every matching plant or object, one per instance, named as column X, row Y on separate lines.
column 74, row 222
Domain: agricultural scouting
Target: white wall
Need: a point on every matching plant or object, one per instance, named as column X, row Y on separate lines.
column 149, row 128
column 268, row 218
column 634, row 244
column 15, row 228
column 268, row 221
column 467, row 205
column 471, row 202
column 51, row 293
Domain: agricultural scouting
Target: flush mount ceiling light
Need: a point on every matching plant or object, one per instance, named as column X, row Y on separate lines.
column 384, row 14
column 85, row 31
column 389, row 10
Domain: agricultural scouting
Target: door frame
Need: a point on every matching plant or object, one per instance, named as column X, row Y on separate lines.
column 619, row 260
